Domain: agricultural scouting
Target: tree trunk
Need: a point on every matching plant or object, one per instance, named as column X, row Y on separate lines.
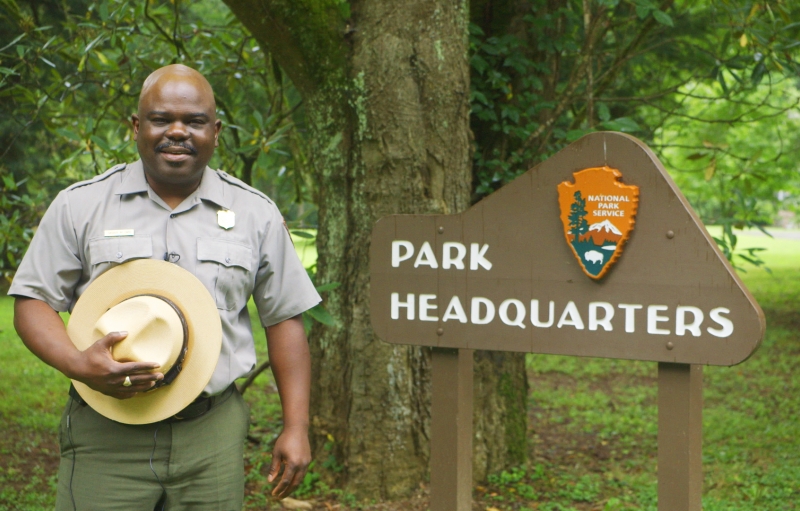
column 386, row 92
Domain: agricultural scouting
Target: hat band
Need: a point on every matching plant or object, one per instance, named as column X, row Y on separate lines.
column 177, row 367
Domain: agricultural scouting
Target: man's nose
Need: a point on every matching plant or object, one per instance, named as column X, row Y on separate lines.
column 177, row 131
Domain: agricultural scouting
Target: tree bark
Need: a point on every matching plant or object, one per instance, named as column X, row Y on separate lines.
column 386, row 91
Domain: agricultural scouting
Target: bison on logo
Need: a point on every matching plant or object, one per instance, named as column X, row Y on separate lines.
column 598, row 213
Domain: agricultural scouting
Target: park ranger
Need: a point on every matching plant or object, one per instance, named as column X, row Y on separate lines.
column 169, row 205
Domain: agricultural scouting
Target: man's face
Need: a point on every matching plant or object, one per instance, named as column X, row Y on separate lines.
column 176, row 130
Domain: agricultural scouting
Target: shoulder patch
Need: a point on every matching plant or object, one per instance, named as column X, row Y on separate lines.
column 241, row 184
column 100, row 177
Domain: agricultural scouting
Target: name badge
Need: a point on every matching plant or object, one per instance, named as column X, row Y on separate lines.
column 226, row 218
column 117, row 233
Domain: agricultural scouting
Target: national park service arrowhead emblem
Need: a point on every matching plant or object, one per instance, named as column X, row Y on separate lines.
column 598, row 213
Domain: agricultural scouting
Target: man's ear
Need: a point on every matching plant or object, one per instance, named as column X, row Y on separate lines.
column 135, row 122
column 217, row 129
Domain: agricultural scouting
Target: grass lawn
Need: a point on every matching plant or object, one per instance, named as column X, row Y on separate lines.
column 592, row 423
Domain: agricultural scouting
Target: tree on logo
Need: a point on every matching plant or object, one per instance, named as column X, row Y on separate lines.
column 578, row 225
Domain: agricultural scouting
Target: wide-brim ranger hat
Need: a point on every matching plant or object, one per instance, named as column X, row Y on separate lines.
column 170, row 317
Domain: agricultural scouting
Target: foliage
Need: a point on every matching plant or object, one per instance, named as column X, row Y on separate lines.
column 70, row 73
column 710, row 84
column 735, row 174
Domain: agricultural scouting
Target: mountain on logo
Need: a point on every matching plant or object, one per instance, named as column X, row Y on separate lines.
column 606, row 226
column 602, row 234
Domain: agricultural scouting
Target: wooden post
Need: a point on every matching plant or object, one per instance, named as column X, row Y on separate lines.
column 680, row 437
column 451, row 430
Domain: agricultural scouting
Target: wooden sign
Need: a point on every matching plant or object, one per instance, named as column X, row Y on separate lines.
column 594, row 252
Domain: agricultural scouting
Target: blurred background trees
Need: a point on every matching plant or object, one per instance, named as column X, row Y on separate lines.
column 711, row 85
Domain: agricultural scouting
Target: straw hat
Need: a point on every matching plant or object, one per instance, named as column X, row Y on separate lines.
column 170, row 318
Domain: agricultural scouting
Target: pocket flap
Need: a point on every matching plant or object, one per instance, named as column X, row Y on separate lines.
column 226, row 253
column 119, row 250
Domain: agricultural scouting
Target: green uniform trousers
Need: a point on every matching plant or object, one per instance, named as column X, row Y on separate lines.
column 195, row 464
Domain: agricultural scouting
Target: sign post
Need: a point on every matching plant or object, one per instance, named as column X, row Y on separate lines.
column 680, row 436
column 592, row 253
column 451, row 429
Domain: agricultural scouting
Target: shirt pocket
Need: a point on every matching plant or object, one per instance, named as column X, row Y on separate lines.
column 119, row 250
column 226, row 266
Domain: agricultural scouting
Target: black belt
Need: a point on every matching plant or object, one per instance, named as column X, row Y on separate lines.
column 196, row 408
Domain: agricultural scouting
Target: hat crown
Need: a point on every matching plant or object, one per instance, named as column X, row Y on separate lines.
column 155, row 331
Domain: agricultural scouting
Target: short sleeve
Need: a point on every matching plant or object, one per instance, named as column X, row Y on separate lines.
column 282, row 288
column 51, row 268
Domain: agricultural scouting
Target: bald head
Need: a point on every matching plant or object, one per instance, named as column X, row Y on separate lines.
column 176, row 130
column 176, row 73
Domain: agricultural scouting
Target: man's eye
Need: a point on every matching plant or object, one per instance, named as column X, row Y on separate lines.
column 197, row 122
column 158, row 122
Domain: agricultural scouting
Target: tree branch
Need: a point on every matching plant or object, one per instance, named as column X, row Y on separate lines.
column 306, row 37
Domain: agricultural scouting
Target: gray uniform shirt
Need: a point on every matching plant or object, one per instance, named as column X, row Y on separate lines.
column 95, row 225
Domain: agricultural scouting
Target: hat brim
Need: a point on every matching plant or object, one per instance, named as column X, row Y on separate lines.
column 150, row 276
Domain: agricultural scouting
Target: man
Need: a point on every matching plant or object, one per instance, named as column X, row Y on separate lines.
column 169, row 205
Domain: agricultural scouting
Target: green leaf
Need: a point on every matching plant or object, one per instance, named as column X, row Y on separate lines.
column 320, row 314
column 246, row 149
column 102, row 144
column 103, row 10
column 624, row 124
column 663, row 18
column 68, row 134
column 328, row 287
column 722, row 82
column 602, row 111
column 573, row 135
column 94, row 41
column 259, row 119
column 302, row 234
column 12, row 43
column 758, row 72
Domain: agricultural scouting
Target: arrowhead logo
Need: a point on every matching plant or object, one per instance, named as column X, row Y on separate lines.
column 598, row 213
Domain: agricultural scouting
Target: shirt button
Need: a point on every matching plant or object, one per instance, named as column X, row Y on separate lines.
column 227, row 259
column 172, row 215
column 119, row 255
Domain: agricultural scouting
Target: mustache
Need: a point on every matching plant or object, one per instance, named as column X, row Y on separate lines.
column 182, row 145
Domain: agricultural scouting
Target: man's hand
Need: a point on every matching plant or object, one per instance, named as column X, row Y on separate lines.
column 292, row 453
column 97, row 368
column 43, row 332
column 291, row 365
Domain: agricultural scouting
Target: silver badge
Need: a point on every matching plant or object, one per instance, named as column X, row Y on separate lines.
column 226, row 218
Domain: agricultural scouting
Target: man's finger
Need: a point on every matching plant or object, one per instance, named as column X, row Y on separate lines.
column 112, row 338
column 297, row 480
column 138, row 382
column 281, row 490
column 138, row 368
column 274, row 467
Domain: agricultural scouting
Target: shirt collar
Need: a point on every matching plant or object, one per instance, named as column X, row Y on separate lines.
column 133, row 180
column 210, row 188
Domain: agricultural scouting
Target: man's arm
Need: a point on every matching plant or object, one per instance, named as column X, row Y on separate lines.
column 290, row 360
column 43, row 332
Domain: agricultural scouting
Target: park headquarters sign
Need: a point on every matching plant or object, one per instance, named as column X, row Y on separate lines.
column 594, row 252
